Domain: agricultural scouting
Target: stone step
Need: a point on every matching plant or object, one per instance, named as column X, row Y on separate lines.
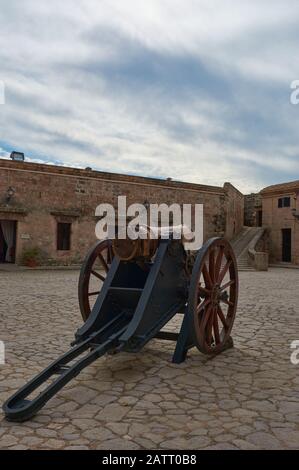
column 245, row 268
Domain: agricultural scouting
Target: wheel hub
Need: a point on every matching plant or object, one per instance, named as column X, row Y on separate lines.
column 216, row 295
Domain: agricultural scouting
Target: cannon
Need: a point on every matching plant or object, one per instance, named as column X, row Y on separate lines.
column 128, row 291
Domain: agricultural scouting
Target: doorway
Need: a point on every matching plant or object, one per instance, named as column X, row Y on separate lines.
column 8, row 237
column 287, row 245
column 259, row 218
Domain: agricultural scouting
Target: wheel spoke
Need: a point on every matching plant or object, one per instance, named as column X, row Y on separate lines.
column 216, row 329
column 219, row 262
column 207, row 276
column 210, row 326
column 227, row 285
column 222, row 317
column 101, row 258
column 227, row 302
column 204, row 291
column 224, row 271
column 91, row 294
column 203, row 305
column 206, row 317
column 98, row 275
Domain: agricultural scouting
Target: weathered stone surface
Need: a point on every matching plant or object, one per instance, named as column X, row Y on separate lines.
column 246, row 398
column 98, row 434
column 197, row 442
column 47, row 433
column 289, row 407
column 55, row 443
column 8, row 441
column 112, row 413
column 288, row 436
column 77, row 192
column 262, row 405
column 117, row 444
column 80, row 394
column 264, row 440
column 31, row 441
column 76, row 448
column 128, row 401
column 228, row 404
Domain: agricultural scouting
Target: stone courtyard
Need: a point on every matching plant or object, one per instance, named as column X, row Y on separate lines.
column 246, row 398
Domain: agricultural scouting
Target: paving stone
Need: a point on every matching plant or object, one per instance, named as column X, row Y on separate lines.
column 87, row 411
column 289, row 407
column 112, row 412
column 81, row 394
column 222, row 446
column 70, row 437
column 246, row 398
column 242, row 430
column 55, row 443
column 264, row 441
column 46, row 433
column 228, row 404
column 241, row 413
column 262, row 405
column 197, row 442
column 7, row 441
column 288, row 436
column 98, row 434
column 292, row 418
column 128, row 401
column 242, row 444
column 117, row 444
column 118, row 428
column 31, row 441
column 84, row 424
column 76, row 448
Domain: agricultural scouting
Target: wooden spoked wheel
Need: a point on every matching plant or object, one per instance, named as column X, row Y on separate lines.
column 213, row 296
column 93, row 273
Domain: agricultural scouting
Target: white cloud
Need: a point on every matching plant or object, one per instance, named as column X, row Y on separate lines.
column 70, row 97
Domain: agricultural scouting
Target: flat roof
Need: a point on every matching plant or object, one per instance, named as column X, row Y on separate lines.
column 105, row 176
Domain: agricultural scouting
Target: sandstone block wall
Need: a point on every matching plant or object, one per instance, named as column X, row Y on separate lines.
column 46, row 194
column 277, row 219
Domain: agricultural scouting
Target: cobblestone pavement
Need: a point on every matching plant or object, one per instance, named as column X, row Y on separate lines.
column 246, row 398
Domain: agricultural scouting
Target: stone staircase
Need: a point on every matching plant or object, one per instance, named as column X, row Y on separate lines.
column 240, row 245
column 244, row 265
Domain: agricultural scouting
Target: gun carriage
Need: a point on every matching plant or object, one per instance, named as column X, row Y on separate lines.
column 128, row 291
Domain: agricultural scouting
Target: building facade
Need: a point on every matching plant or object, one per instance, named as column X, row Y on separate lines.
column 280, row 213
column 253, row 211
column 51, row 209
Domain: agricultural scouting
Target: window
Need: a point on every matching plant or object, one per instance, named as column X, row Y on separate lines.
column 284, row 202
column 63, row 236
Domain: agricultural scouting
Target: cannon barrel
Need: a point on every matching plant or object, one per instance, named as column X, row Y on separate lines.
column 144, row 246
column 145, row 243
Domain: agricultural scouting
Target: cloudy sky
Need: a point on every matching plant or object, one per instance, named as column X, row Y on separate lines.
column 196, row 90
